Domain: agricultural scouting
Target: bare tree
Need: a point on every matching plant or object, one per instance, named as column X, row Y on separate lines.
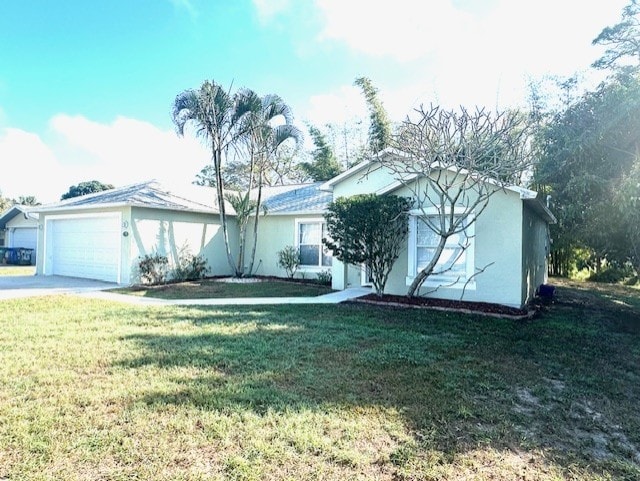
column 452, row 163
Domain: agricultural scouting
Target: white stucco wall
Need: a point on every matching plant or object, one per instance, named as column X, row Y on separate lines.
column 535, row 249
column 170, row 232
column 498, row 247
column 275, row 232
column 20, row 221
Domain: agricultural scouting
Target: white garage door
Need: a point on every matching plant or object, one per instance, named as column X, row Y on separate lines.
column 86, row 247
column 26, row 237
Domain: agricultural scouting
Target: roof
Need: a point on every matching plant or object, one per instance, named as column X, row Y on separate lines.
column 150, row 194
column 530, row 198
column 282, row 199
column 297, row 199
column 14, row 210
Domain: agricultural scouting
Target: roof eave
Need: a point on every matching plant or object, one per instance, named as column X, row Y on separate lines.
column 299, row 212
column 541, row 209
column 329, row 184
column 119, row 205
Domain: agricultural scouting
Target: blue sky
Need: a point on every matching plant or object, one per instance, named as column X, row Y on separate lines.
column 86, row 86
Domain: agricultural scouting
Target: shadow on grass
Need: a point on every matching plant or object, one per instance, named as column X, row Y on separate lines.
column 566, row 383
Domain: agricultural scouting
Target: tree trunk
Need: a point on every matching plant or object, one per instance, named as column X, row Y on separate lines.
column 217, row 165
column 426, row 272
column 255, row 224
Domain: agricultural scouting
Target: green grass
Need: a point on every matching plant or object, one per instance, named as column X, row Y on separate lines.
column 11, row 270
column 97, row 390
column 208, row 288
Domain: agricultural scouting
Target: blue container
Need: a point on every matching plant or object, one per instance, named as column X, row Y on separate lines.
column 19, row 256
column 546, row 291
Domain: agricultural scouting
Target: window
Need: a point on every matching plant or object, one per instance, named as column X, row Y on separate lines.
column 455, row 264
column 313, row 253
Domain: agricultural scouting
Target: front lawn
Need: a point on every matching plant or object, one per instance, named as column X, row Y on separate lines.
column 98, row 390
column 11, row 270
column 213, row 288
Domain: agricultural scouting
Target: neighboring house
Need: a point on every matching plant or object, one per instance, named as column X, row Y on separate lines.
column 19, row 228
column 103, row 236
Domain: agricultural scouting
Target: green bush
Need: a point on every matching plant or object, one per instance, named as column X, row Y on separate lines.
column 153, row 269
column 190, row 267
column 612, row 274
column 289, row 260
column 324, row 278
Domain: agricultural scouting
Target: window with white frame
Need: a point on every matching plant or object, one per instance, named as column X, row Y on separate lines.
column 309, row 235
column 455, row 265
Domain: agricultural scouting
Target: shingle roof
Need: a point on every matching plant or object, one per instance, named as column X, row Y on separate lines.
column 149, row 194
column 282, row 199
column 300, row 198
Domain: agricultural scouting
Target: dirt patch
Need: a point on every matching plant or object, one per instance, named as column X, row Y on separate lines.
column 448, row 305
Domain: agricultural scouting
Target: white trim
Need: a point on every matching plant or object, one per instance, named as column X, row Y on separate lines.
column 311, row 220
column 364, row 280
column 328, row 185
column 119, row 205
column 396, row 184
column 440, row 281
column 47, row 227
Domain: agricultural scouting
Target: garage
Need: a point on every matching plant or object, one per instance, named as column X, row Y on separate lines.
column 26, row 237
column 84, row 246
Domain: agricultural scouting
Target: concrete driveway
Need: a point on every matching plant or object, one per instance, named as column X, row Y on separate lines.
column 14, row 287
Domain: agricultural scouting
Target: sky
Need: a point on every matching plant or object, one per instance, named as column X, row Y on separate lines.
column 86, row 87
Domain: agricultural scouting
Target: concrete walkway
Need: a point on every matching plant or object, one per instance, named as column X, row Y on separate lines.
column 17, row 287
column 331, row 298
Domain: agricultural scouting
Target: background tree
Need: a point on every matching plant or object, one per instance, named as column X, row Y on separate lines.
column 282, row 169
column 379, row 124
column 627, row 200
column 586, row 151
column 5, row 202
column 84, row 188
column 324, row 165
column 348, row 141
column 368, row 229
column 453, row 163
column 622, row 40
column 28, row 200
column 235, row 176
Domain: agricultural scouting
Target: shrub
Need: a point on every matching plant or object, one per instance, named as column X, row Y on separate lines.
column 289, row 260
column 612, row 274
column 190, row 267
column 153, row 269
column 324, row 278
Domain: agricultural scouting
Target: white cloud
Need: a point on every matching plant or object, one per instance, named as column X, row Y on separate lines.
column 445, row 54
column 127, row 150
column 342, row 105
column 77, row 149
column 402, row 29
column 29, row 166
column 268, row 9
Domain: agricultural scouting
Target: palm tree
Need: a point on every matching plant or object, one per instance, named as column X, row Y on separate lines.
column 245, row 124
column 217, row 117
column 267, row 127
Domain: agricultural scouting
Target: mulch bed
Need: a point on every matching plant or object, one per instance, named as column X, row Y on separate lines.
column 482, row 308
